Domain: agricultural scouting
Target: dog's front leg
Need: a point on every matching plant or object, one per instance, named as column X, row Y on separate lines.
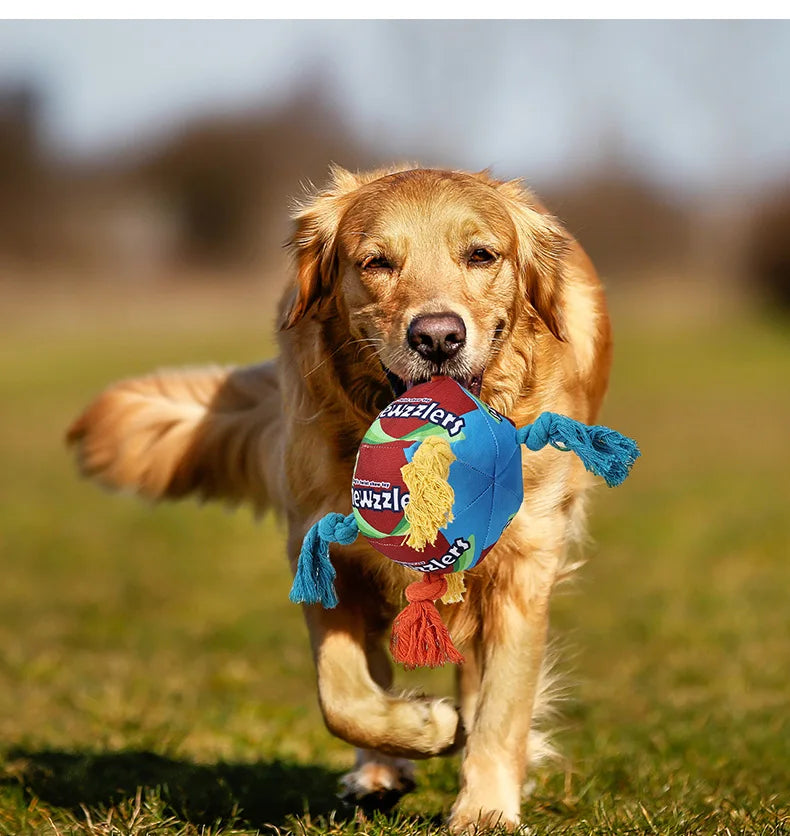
column 356, row 708
column 511, row 654
column 345, row 643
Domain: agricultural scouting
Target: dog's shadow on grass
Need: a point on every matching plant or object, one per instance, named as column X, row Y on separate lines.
column 253, row 794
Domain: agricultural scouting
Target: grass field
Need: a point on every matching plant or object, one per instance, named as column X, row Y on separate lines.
column 154, row 678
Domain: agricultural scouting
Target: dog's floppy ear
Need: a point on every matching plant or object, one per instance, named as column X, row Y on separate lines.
column 314, row 245
column 543, row 246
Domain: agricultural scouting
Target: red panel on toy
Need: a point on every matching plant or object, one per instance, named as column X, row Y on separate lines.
column 421, row 406
column 440, row 556
column 378, row 493
column 393, row 548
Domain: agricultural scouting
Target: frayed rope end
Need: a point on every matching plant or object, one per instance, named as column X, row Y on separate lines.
column 431, row 496
column 419, row 636
column 314, row 579
column 602, row 450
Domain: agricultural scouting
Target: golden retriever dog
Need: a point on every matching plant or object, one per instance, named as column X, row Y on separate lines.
column 400, row 274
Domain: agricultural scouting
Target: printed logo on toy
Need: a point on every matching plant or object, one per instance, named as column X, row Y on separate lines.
column 379, row 500
column 425, row 409
column 438, row 564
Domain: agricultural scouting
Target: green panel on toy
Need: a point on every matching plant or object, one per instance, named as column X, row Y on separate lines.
column 436, row 482
column 485, row 476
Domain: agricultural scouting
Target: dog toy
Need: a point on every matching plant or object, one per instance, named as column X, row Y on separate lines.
column 437, row 480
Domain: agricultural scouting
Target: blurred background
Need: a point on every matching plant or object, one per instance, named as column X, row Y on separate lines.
column 136, row 149
column 146, row 170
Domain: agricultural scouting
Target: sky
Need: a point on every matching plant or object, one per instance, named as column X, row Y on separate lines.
column 696, row 105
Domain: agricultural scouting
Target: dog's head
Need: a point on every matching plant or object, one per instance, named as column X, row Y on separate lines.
column 432, row 270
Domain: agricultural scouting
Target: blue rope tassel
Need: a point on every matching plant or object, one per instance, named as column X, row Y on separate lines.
column 314, row 581
column 603, row 451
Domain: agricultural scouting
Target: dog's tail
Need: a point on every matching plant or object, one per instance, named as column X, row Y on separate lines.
column 213, row 433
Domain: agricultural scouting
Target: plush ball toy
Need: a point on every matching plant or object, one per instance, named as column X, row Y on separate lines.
column 437, row 480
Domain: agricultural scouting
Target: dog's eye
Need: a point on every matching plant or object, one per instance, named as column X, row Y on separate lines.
column 376, row 262
column 482, row 256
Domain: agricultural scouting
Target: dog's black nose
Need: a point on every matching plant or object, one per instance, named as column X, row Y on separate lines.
column 437, row 337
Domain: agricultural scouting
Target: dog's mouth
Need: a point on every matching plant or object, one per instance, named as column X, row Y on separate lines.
column 473, row 383
column 412, row 372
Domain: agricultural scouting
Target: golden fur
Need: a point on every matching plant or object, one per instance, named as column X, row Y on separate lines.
column 372, row 252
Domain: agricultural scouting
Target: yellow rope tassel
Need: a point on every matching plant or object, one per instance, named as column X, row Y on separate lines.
column 430, row 495
column 455, row 588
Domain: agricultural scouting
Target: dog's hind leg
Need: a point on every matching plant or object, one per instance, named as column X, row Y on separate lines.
column 377, row 781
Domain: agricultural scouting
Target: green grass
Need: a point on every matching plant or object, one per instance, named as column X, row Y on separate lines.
column 154, row 678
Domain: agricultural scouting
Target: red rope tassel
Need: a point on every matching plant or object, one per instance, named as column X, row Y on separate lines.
column 419, row 637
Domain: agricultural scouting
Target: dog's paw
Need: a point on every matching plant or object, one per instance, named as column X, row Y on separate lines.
column 377, row 782
column 442, row 728
column 469, row 818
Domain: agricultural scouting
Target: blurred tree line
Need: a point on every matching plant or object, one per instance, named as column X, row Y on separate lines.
column 212, row 198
